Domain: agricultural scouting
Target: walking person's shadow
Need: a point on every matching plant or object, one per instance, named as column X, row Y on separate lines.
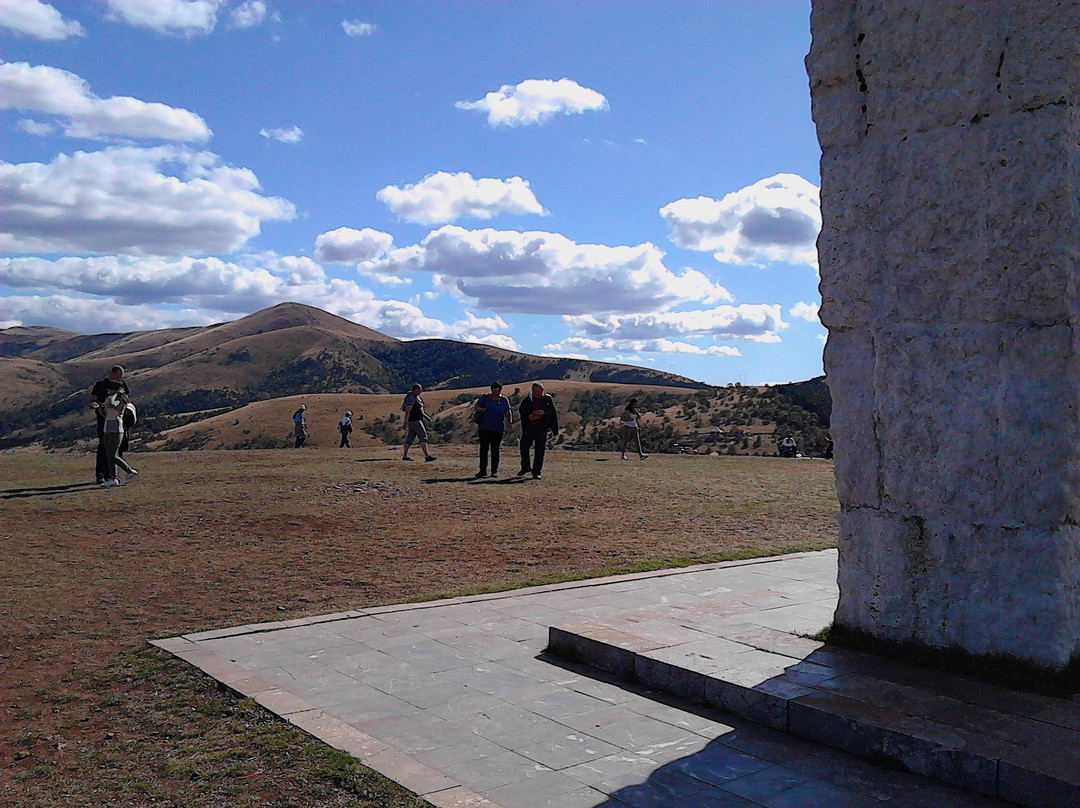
column 46, row 491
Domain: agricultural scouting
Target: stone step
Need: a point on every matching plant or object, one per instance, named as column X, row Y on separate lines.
column 1020, row 747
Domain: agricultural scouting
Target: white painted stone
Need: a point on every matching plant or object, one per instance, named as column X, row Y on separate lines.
column 950, row 260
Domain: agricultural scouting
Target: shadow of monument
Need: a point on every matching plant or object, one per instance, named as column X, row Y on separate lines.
column 748, row 765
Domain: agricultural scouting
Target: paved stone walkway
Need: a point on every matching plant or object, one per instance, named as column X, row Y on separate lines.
column 455, row 699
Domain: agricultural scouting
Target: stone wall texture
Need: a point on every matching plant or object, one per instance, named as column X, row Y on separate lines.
column 950, row 267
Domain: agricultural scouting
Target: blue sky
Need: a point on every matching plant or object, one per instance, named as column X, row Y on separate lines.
column 624, row 181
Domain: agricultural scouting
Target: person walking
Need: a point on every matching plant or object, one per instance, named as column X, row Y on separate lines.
column 415, row 417
column 113, row 409
column 538, row 415
column 112, row 383
column 345, row 428
column 494, row 416
column 300, row 427
column 630, row 420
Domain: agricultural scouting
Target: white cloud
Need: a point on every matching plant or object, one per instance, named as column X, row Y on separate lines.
column 503, row 341
column 806, row 311
column 443, row 197
column 357, row 28
column 608, row 345
column 775, row 219
column 34, row 127
column 53, row 91
column 187, row 17
column 88, row 315
column 294, row 134
column 112, row 292
column 755, row 322
column 37, row 19
column 160, row 201
column 535, row 101
column 348, row 246
column 252, row 282
column 546, row 273
column 248, row 14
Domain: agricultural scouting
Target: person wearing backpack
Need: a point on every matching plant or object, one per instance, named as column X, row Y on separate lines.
column 493, row 416
column 112, row 383
column 112, row 410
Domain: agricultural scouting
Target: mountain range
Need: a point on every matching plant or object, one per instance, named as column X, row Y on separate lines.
column 181, row 374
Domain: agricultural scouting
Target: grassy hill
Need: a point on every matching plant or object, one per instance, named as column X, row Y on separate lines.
column 235, row 385
column 735, row 420
column 182, row 374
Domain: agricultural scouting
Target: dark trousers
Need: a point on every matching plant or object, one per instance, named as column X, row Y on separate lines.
column 530, row 437
column 489, row 442
column 102, row 466
column 300, row 439
column 344, row 441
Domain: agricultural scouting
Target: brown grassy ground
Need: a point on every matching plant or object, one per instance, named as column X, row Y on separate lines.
column 90, row 716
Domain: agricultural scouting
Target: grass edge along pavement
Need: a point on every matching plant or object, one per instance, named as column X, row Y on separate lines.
column 163, row 734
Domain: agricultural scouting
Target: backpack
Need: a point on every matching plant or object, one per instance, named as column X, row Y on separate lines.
column 130, row 417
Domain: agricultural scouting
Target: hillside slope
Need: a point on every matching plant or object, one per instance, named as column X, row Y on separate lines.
column 289, row 349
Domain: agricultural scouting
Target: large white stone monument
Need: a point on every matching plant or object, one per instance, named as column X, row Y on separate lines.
column 950, row 281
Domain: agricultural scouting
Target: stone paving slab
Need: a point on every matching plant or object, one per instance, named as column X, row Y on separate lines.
column 458, row 701
column 991, row 740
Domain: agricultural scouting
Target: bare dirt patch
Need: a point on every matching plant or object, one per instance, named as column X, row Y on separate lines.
column 90, row 716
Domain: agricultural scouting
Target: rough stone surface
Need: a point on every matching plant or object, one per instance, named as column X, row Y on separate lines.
column 949, row 253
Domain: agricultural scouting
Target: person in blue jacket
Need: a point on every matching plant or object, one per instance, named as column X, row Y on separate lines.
column 494, row 416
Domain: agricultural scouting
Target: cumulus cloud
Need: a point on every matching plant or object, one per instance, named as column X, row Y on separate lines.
column 294, row 134
column 205, row 283
column 88, row 315
column 348, row 246
column 609, row 345
column 185, row 17
column 98, row 293
column 806, row 311
column 775, row 219
column 547, row 273
column 161, row 201
column 755, row 322
column 53, row 91
column 37, row 19
column 356, row 28
column 34, row 127
column 443, row 197
column 535, row 101
column 248, row 14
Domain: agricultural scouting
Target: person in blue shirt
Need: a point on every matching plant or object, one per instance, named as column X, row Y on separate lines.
column 299, row 427
column 494, row 416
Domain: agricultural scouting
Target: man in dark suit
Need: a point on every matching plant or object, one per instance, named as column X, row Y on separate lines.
column 538, row 415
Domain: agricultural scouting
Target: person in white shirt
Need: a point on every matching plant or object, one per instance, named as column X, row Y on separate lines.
column 630, row 421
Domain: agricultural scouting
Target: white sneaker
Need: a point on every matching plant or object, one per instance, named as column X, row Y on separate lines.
column 131, row 476
column 110, row 483
column 643, row 457
column 624, row 457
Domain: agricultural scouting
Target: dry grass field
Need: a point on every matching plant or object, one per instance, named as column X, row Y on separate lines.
column 91, row 716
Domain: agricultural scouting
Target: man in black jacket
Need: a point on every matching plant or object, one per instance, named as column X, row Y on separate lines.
column 101, row 391
column 538, row 415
